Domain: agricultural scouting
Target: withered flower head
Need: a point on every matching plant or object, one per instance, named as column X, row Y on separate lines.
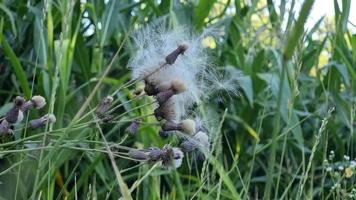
column 104, row 106
column 36, row 123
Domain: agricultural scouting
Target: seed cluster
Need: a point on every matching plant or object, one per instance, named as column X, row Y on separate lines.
column 16, row 114
column 167, row 111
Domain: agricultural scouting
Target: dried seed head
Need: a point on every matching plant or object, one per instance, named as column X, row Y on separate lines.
column 104, row 107
column 167, row 111
column 155, row 154
column 188, row 126
column 133, row 127
column 172, row 57
column 203, row 139
column 171, row 126
column 38, row 101
column 19, row 101
column 162, row 97
column 177, row 157
column 169, row 157
column 36, row 123
column 150, row 89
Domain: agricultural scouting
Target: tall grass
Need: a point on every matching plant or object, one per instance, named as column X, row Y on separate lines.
column 270, row 142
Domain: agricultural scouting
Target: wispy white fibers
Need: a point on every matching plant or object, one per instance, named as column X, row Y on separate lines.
column 177, row 71
column 153, row 43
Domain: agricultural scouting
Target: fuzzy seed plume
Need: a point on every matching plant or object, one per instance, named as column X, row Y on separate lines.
column 178, row 86
column 188, row 126
column 20, row 116
column 153, row 43
column 38, row 101
column 203, row 139
column 51, row 118
column 177, row 157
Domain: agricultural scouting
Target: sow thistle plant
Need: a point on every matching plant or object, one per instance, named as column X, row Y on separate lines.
column 175, row 70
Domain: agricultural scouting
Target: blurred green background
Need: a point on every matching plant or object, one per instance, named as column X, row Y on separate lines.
column 270, row 141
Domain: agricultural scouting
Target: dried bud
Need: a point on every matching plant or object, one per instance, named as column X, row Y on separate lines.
column 162, row 97
column 37, row 102
column 5, row 128
column 171, row 157
column 172, row 57
column 186, row 126
column 177, row 86
column 132, row 129
column 155, row 154
column 104, row 106
column 166, row 111
column 36, row 123
column 168, row 156
column 150, row 89
column 171, row 126
column 15, row 115
column 138, row 154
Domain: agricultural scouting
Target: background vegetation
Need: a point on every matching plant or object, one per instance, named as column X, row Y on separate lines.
column 274, row 140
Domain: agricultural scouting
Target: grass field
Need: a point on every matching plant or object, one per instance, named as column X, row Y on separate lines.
column 273, row 101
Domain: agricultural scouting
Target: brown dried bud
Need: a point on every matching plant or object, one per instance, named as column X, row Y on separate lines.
column 150, row 89
column 5, row 128
column 166, row 111
column 15, row 115
column 162, row 97
column 104, row 106
column 172, row 57
column 138, row 154
column 132, row 129
column 186, row 126
column 36, row 123
column 37, row 102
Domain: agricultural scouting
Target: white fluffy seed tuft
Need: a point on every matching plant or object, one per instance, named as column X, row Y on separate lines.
column 188, row 126
column 38, row 101
column 153, row 43
column 51, row 118
column 203, row 139
column 178, row 86
column 19, row 117
column 177, row 157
